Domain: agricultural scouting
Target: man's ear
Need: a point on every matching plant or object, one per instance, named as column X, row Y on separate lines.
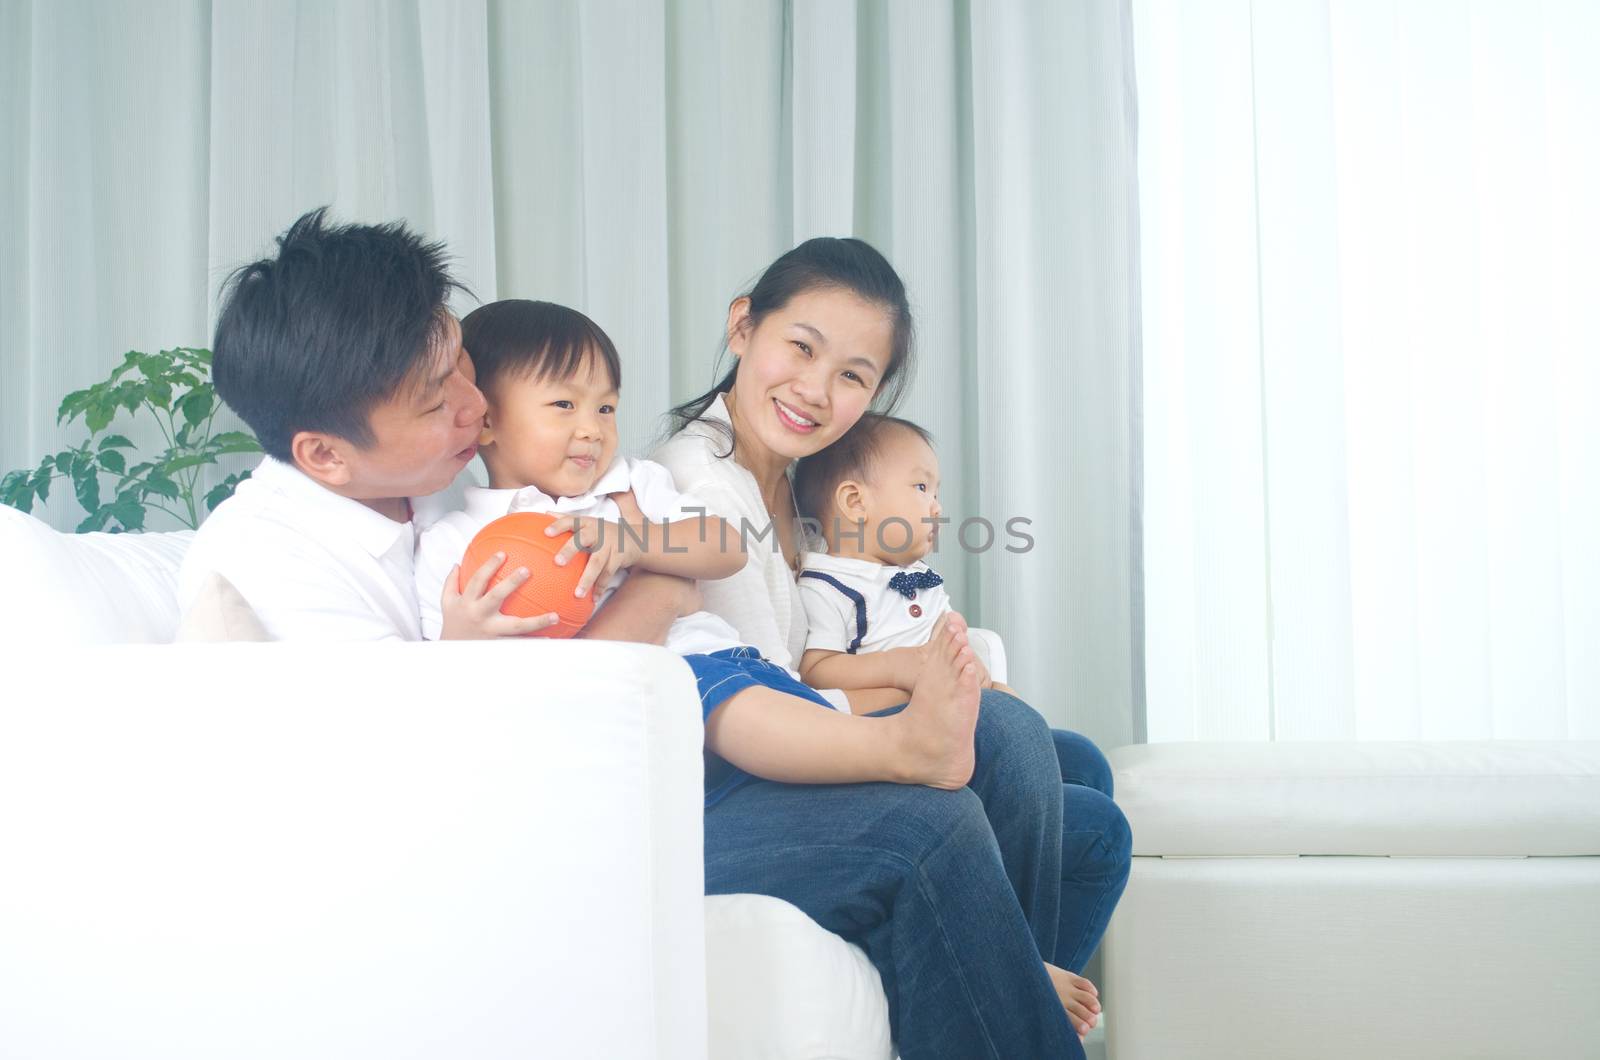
column 323, row 457
column 738, row 325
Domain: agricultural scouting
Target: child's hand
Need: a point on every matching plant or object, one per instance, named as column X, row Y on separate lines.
column 628, row 508
column 610, row 546
column 474, row 614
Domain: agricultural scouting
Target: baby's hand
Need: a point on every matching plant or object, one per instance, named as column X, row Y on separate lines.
column 474, row 613
column 611, row 547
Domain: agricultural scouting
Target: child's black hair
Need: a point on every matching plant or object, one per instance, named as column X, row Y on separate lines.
column 817, row 476
column 517, row 338
column 336, row 323
column 817, row 264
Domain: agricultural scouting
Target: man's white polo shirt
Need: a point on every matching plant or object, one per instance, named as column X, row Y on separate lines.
column 312, row 565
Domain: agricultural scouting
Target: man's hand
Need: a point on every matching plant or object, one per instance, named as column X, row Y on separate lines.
column 474, row 613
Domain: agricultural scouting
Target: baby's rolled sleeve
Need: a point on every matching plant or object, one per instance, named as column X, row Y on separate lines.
column 830, row 617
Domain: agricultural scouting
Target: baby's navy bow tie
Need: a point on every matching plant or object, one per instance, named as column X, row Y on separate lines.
column 907, row 582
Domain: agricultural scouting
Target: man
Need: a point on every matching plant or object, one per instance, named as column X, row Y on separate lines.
column 341, row 355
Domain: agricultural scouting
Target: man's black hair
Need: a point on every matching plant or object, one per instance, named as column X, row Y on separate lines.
column 817, row 476
column 336, row 323
column 516, row 338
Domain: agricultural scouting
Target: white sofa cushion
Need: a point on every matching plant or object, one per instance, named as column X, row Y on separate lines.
column 1463, row 798
column 220, row 613
column 87, row 588
column 336, row 850
column 779, row 987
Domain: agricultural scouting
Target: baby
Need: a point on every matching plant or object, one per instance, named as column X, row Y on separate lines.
column 872, row 605
column 552, row 379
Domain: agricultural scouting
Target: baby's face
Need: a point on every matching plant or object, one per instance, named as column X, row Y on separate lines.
column 902, row 491
column 557, row 434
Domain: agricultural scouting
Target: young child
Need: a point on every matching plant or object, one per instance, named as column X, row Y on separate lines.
column 873, row 606
column 552, row 380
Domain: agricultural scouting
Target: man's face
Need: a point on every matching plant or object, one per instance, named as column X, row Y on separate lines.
column 424, row 434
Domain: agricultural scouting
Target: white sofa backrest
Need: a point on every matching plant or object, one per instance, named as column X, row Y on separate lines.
column 86, row 588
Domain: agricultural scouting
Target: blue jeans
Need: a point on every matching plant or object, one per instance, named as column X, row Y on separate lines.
column 954, row 895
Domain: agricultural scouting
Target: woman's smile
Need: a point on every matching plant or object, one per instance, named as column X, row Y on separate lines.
column 792, row 419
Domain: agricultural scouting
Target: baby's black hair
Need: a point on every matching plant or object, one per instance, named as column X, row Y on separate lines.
column 817, row 476
column 313, row 338
column 516, row 338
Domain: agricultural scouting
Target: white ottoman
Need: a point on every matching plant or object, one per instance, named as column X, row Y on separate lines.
column 1309, row 900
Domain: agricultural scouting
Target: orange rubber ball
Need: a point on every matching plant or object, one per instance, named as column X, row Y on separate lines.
column 521, row 537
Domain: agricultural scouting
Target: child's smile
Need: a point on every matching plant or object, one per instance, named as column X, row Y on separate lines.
column 558, row 435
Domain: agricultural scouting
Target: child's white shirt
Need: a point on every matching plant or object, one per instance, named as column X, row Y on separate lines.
column 445, row 542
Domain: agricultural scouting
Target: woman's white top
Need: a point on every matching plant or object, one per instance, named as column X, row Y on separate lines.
column 762, row 601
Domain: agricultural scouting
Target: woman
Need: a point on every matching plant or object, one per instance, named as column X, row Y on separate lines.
column 977, row 900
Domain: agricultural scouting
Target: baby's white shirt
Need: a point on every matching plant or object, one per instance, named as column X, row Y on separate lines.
column 445, row 542
column 850, row 607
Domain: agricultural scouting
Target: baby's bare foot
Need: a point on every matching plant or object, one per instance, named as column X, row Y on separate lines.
column 1078, row 996
column 936, row 727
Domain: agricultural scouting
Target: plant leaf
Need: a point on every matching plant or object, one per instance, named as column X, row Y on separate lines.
column 129, row 512
column 197, row 406
column 72, row 405
column 99, row 416
column 114, row 441
column 113, row 461
column 95, row 520
column 183, row 463
column 235, row 442
column 129, row 394
column 158, row 483
column 16, row 490
column 224, row 489
column 86, row 484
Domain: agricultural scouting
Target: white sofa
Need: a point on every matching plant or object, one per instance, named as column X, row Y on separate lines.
column 365, row 850
column 1415, row 901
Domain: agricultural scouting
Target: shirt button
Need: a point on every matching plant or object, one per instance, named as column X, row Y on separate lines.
column 916, row 610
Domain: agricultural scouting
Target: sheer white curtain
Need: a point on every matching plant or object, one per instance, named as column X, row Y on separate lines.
column 1371, row 248
column 642, row 161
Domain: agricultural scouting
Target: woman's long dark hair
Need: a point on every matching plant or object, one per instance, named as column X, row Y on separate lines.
column 847, row 264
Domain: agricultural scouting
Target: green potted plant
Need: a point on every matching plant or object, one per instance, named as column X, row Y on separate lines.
column 173, row 388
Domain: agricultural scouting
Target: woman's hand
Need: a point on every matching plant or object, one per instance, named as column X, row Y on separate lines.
column 610, row 547
column 473, row 613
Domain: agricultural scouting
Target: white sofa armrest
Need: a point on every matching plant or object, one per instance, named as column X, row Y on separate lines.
column 329, row 850
column 988, row 646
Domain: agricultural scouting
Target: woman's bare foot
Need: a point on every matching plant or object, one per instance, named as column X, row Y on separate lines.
column 1078, row 996
column 935, row 729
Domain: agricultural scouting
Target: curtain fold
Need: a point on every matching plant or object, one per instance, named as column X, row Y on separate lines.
column 642, row 161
